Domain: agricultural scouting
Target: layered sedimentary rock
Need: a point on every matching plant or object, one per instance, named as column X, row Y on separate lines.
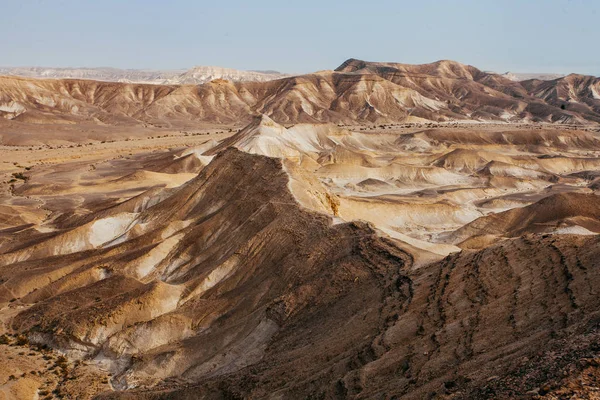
column 356, row 92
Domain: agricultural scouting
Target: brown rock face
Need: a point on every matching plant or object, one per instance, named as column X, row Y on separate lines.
column 443, row 330
column 196, row 269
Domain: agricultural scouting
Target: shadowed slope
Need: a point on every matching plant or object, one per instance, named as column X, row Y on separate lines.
column 467, row 318
column 576, row 93
column 186, row 286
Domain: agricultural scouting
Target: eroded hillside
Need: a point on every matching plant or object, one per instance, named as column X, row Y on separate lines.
column 308, row 261
column 356, row 92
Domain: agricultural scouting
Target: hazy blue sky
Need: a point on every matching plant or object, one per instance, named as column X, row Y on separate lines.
column 302, row 36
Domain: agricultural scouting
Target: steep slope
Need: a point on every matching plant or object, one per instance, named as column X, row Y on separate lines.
column 576, row 93
column 466, row 90
column 356, row 92
column 205, row 273
column 418, row 187
column 456, row 328
column 225, row 259
column 70, row 101
column 324, row 143
column 568, row 212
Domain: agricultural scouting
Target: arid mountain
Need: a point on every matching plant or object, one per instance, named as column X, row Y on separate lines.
column 196, row 75
column 444, row 331
column 519, row 76
column 577, row 93
column 421, row 187
column 565, row 212
column 230, row 286
column 97, row 74
column 480, row 94
column 199, row 75
column 294, row 259
column 356, row 92
column 203, row 270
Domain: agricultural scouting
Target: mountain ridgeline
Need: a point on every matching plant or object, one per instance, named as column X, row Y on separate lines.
column 355, row 92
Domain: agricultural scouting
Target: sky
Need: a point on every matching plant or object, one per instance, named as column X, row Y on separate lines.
column 555, row 36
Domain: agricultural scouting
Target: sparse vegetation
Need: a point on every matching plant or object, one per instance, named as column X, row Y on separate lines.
column 21, row 176
column 22, row 340
column 4, row 339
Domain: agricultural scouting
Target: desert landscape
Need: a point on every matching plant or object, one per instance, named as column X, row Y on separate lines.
column 376, row 231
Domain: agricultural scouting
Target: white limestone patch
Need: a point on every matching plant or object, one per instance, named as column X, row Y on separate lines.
column 12, row 107
column 107, row 229
column 214, row 277
column 574, row 230
column 436, row 248
column 148, row 262
column 595, row 93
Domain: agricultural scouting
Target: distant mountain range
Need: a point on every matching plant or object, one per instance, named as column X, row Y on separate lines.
column 355, row 92
column 195, row 76
column 518, row 77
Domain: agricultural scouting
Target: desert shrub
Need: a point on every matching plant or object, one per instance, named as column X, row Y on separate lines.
column 22, row 340
column 62, row 362
column 4, row 339
column 20, row 175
